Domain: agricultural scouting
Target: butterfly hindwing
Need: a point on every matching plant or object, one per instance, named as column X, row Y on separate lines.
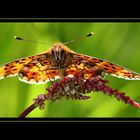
column 108, row 67
column 38, row 72
column 78, row 67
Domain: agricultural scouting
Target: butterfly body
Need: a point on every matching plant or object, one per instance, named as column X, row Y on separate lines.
column 60, row 56
column 59, row 61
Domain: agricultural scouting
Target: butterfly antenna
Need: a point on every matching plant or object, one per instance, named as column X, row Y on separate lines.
column 79, row 38
column 19, row 38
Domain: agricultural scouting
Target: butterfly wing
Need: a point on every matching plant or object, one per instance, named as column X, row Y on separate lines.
column 109, row 68
column 13, row 68
column 38, row 72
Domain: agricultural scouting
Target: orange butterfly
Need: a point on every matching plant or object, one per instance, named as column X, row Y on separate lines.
column 59, row 61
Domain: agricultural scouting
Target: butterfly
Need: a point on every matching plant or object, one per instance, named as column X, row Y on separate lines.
column 60, row 61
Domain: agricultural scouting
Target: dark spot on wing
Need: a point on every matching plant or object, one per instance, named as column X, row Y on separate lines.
column 14, row 69
column 113, row 67
column 106, row 65
column 72, row 70
column 33, row 73
column 53, row 72
column 5, row 68
column 17, row 61
column 106, row 69
column 11, row 66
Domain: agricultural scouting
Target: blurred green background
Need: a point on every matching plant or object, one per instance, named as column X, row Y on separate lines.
column 115, row 42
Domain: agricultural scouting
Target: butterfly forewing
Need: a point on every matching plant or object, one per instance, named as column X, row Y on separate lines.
column 13, row 68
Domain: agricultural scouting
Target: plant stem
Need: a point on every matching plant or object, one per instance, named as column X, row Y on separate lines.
column 27, row 111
